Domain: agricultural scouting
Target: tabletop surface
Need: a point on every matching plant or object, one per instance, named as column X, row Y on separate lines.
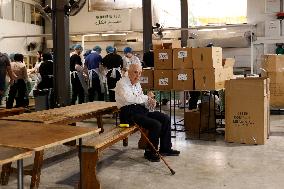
column 10, row 154
column 65, row 115
column 39, row 136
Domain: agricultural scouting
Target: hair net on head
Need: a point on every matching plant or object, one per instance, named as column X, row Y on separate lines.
column 97, row 49
column 127, row 50
column 78, row 47
column 109, row 49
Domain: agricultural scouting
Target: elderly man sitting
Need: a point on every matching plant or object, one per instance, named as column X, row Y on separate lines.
column 134, row 106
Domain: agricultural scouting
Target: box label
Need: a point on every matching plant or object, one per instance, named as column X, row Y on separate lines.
column 163, row 56
column 164, row 81
column 143, row 80
column 182, row 54
column 182, row 77
column 242, row 119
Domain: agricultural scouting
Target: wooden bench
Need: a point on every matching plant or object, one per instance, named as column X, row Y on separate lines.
column 92, row 149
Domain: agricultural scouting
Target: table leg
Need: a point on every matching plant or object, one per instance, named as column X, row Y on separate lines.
column 38, row 161
column 20, row 174
column 5, row 174
column 80, row 162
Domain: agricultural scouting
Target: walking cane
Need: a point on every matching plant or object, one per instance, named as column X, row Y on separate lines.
column 172, row 171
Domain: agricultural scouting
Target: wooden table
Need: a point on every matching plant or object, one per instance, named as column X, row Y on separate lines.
column 68, row 114
column 37, row 137
column 10, row 154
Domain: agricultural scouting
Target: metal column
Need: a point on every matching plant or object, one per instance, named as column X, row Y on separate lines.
column 61, row 68
column 147, row 24
column 184, row 22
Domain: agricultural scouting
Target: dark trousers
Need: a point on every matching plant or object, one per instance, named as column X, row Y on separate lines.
column 17, row 91
column 194, row 96
column 157, row 123
column 77, row 90
column 111, row 84
column 95, row 91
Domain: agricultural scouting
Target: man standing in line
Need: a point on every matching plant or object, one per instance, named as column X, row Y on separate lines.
column 113, row 62
column 92, row 64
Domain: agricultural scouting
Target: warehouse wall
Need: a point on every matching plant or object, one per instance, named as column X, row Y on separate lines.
column 18, row 45
column 256, row 15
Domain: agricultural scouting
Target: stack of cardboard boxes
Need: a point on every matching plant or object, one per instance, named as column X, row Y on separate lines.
column 173, row 69
column 163, row 75
column 208, row 69
column 183, row 72
column 247, row 110
column 188, row 69
column 273, row 67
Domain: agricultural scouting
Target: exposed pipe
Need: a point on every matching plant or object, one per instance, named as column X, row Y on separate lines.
column 25, row 36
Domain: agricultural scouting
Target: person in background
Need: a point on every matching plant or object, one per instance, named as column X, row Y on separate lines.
column 72, row 50
column 76, row 68
column 113, row 62
column 87, row 53
column 134, row 108
column 91, row 66
column 46, row 72
column 148, row 57
column 18, row 88
column 5, row 67
column 35, row 69
column 11, row 57
column 129, row 58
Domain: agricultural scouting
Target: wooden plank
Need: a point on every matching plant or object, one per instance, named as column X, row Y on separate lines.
column 38, row 136
column 68, row 114
column 107, row 139
column 10, row 154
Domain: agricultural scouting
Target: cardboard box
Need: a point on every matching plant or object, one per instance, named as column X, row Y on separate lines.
column 163, row 80
column 147, row 79
column 228, row 73
column 209, row 57
column 276, row 88
column 209, row 79
column 272, row 28
column 163, row 59
column 182, row 58
column 228, row 62
column 199, row 126
column 246, row 110
column 273, row 63
column 183, row 79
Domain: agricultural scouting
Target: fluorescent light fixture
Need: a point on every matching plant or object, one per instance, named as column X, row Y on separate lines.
column 212, row 29
column 91, row 35
column 110, row 34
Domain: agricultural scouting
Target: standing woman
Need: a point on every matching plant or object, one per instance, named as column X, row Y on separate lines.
column 35, row 70
column 18, row 88
column 114, row 63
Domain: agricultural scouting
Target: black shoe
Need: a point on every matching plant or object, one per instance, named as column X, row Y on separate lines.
column 151, row 156
column 169, row 152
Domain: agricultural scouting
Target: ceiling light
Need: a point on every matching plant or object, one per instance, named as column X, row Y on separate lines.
column 110, row 34
column 212, row 29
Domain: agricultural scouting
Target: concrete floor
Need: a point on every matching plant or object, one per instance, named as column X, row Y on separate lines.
column 201, row 165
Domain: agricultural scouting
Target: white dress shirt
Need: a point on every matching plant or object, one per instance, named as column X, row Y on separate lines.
column 127, row 61
column 127, row 94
